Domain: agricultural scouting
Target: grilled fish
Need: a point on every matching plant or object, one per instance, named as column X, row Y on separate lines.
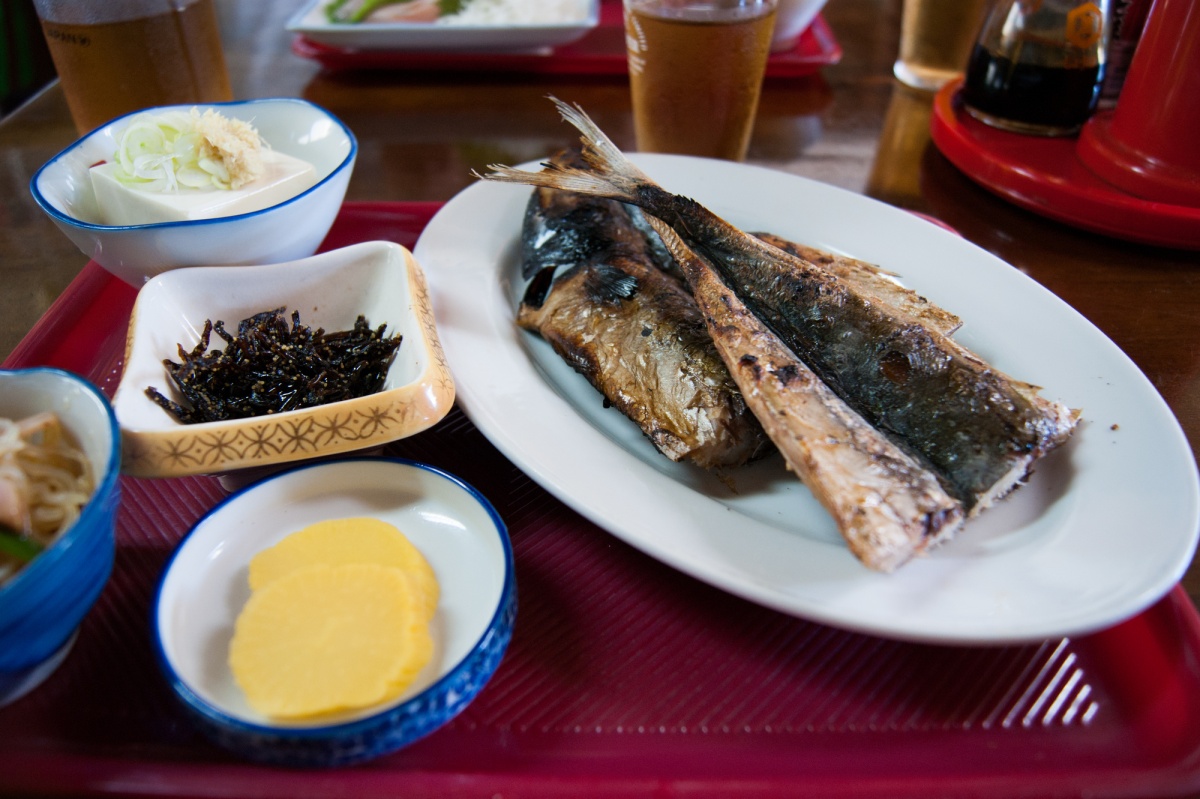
column 887, row 505
column 979, row 429
column 871, row 281
column 633, row 331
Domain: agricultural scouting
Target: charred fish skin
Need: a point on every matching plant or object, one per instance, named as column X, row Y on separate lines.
column 869, row 279
column 634, row 333
column 887, row 506
column 561, row 230
column 980, row 429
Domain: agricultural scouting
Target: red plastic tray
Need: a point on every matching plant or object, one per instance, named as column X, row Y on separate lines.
column 624, row 677
column 601, row 52
column 1044, row 175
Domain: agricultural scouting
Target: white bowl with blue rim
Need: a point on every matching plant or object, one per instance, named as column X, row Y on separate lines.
column 288, row 230
column 792, row 18
column 45, row 601
column 205, row 585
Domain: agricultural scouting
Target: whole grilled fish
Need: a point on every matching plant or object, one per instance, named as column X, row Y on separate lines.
column 887, row 505
column 633, row 331
column 979, row 429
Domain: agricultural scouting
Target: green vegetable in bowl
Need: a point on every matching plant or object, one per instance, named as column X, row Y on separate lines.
column 18, row 546
column 352, row 11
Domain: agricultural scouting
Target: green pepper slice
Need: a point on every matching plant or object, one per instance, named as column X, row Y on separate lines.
column 18, row 546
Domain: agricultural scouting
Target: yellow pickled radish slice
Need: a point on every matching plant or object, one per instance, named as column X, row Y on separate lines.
column 328, row 638
column 353, row 540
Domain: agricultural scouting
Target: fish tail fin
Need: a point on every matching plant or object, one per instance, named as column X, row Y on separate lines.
column 604, row 157
column 609, row 174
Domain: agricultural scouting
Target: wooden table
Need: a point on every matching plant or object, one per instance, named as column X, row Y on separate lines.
column 851, row 125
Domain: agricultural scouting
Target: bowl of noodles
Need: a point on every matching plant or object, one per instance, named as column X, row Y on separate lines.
column 59, row 463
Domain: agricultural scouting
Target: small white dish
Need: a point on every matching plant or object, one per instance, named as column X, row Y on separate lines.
column 204, row 587
column 791, row 19
column 380, row 280
column 402, row 37
column 288, row 230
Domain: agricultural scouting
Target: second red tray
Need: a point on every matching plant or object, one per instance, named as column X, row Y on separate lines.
column 625, row 678
column 601, row 52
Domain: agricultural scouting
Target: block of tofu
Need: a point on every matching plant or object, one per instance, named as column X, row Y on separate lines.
column 283, row 176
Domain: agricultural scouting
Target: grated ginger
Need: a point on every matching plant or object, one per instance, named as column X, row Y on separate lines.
column 233, row 143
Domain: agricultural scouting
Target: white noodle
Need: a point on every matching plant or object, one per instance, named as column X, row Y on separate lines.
column 47, row 481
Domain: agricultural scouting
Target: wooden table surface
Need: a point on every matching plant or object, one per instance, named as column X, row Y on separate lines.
column 852, row 126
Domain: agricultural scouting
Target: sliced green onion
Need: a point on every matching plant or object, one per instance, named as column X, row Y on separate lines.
column 162, row 152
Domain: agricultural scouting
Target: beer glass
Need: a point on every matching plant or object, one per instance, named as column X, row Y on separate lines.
column 695, row 70
column 117, row 56
column 935, row 40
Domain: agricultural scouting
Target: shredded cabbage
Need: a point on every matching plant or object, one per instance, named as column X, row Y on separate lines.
column 174, row 150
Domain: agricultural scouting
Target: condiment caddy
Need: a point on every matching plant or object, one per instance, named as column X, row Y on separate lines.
column 1130, row 171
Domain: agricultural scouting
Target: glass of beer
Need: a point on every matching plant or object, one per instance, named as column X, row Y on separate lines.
column 696, row 70
column 117, row 56
column 936, row 37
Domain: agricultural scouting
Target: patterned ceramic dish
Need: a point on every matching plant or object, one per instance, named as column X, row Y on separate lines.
column 42, row 605
column 204, row 588
column 379, row 280
column 285, row 231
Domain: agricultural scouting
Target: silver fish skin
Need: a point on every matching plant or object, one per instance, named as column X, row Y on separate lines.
column 888, row 507
column 871, row 281
column 979, row 429
column 633, row 331
column 867, row 279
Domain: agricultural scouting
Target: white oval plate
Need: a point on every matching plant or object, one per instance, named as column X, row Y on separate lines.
column 1106, row 526
column 401, row 37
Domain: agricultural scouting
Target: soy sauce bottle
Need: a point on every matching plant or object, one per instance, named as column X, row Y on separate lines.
column 1037, row 65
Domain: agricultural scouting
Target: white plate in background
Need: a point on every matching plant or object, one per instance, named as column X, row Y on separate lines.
column 403, row 37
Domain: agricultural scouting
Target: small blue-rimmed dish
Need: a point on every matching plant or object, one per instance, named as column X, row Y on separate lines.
column 204, row 587
column 286, row 231
column 43, row 604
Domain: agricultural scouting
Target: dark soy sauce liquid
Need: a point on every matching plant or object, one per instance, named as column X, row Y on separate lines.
column 1058, row 97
